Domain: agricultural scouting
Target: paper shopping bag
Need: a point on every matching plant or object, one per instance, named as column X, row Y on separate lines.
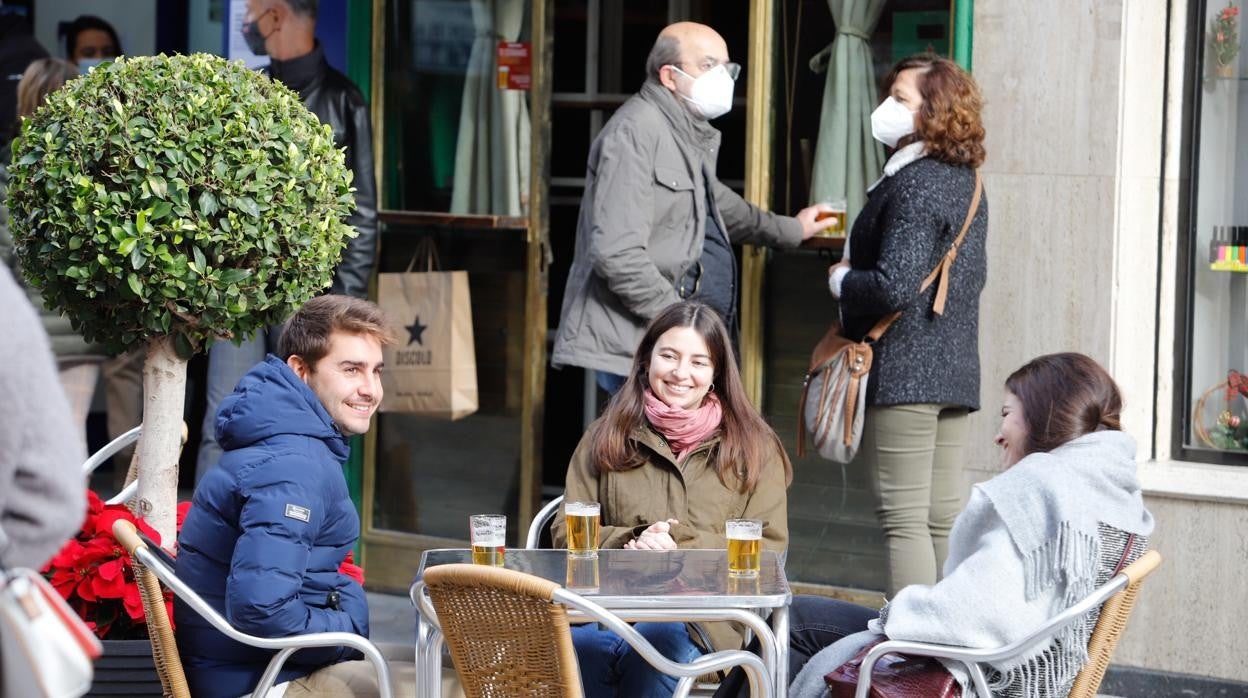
column 432, row 369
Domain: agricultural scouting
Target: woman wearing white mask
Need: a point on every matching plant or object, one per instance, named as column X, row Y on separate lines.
column 925, row 375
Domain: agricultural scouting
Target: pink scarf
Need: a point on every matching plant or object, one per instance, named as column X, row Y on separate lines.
column 684, row 429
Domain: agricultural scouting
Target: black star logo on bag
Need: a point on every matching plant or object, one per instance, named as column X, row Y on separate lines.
column 416, row 332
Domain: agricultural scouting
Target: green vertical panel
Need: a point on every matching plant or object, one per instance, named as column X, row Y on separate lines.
column 360, row 45
column 353, row 469
column 963, row 19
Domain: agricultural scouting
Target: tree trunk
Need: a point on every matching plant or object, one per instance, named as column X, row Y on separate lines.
column 160, row 446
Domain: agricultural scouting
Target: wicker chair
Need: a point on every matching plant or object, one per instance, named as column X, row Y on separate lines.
column 153, row 568
column 1116, row 599
column 509, row 636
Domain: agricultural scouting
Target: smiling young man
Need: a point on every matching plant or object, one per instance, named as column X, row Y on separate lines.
column 270, row 526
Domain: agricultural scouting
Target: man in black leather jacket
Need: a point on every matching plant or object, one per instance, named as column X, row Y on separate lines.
column 285, row 30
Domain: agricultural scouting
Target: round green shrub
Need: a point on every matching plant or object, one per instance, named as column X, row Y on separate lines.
column 182, row 195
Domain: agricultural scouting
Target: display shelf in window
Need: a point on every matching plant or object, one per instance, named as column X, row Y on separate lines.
column 1228, row 250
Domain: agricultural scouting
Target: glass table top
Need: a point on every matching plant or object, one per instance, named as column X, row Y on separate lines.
column 640, row 578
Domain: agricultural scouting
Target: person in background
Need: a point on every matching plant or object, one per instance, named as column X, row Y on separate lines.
column 18, row 48
column 679, row 451
column 656, row 224
column 78, row 361
column 285, row 30
column 925, row 373
column 89, row 41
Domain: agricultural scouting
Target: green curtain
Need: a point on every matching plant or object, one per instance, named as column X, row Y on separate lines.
column 492, row 152
column 847, row 158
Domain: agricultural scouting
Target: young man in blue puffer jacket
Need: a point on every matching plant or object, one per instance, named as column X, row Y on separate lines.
column 271, row 524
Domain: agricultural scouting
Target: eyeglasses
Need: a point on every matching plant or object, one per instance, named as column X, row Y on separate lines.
column 734, row 69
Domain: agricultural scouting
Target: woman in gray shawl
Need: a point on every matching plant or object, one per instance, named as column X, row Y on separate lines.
column 1031, row 542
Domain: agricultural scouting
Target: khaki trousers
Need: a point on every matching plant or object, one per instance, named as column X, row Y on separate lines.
column 914, row 455
column 358, row 678
column 78, row 379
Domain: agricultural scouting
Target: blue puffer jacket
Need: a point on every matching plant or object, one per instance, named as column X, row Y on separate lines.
column 265, row 535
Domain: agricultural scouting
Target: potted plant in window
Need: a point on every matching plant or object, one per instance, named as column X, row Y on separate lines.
column 1224, row 40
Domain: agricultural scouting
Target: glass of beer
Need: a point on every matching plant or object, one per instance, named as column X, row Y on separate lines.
column 839, row 210
column 488, row 533
column 582, row 519
column 745, row 538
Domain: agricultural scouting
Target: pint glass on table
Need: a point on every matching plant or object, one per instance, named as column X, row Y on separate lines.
column 582, row 520
column 488, row 534
column 745, row 539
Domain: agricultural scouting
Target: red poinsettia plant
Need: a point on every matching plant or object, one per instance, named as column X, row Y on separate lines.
column 94, row 574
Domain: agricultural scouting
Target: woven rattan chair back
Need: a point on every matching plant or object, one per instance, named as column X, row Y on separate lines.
column 507, row 637
column 159, row 627
column 1109, row 627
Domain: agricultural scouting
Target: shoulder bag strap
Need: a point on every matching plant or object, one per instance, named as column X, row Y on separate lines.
column 941, row 271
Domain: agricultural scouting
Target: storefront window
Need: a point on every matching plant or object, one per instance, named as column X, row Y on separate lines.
column 1216, row 395
column 454, row 141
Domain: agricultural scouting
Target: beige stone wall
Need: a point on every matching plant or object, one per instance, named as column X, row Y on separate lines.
column 1082, row 257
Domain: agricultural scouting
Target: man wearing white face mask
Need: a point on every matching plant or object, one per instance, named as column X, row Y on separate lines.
column 656, row 224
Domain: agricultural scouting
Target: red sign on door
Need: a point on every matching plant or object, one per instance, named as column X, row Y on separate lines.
column 515, row 65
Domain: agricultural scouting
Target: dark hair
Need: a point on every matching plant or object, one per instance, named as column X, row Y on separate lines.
column 307, row 8
column 949, row 122
column 41, row 78
column 71, row 30
column 666, row 51
column 747, row 442
column 1063, row 397
column 307, row 332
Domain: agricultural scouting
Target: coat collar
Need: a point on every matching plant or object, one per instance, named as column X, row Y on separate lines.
column 686, row 126
column 299, row 73
column 648, row 436
column 901, row 158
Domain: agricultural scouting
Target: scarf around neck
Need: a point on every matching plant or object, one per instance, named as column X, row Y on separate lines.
column 1051, row 504
column 684, row 429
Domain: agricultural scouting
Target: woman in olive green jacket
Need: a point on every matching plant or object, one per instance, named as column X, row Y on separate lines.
column 679, row 450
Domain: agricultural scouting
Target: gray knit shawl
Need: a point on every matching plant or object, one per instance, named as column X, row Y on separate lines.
column 1025, row 548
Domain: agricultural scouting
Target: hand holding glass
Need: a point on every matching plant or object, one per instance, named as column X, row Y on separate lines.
column 488, row 534
column 745, row 538
column 839, row 210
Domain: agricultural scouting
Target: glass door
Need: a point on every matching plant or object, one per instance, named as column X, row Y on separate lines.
column 457, row 140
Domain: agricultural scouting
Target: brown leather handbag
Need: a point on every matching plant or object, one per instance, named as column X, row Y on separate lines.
column 895, row 676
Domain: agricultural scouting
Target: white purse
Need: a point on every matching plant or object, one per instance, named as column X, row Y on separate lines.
column 45, row 648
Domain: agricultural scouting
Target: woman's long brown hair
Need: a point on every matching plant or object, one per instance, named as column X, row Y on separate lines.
column 1063, row 397
column 747, row 442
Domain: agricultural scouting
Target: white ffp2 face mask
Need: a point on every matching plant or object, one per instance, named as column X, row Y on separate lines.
column 891, row 122
column 711, row 94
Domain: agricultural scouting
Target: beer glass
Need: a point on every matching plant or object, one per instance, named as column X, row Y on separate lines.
column 582, row 575
column 582, row 520
column 745, row 538
column 839, row 209
column 488, row 533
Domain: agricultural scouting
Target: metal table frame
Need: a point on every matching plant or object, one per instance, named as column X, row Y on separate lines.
column 682, row 600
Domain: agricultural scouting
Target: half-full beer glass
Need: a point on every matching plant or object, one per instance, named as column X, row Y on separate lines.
column 745, row 538
column 839, row 210
column 488, row 533
column 582, row 519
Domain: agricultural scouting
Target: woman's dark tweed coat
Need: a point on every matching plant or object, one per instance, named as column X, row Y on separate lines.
column 908, row 223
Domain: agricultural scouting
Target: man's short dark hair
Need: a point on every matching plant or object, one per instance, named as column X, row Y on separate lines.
column 307, row 332
column 666, row 51
column 307, row 8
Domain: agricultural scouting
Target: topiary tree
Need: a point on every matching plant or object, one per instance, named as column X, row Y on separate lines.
column 169, row 201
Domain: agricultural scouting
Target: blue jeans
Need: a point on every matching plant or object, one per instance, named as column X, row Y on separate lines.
column 227, row 364
column 814, row 623
column 609, row 382
column 610, row 667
